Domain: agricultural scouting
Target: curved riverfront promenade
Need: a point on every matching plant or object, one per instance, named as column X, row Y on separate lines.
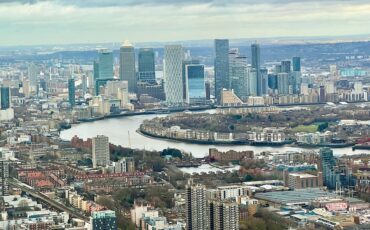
column 205, row 138
column 123, row 131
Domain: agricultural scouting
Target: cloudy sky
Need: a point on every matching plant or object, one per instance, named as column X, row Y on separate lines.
column 25, row 22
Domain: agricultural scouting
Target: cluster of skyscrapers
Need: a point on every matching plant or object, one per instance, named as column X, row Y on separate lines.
column 103, row 67
column 232, row 72
column 184, row 79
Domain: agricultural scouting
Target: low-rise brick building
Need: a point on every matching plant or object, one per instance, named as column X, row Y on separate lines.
column 230, row 155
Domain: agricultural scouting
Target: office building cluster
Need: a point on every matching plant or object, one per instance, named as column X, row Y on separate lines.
column 187, row 82
column 132, row 80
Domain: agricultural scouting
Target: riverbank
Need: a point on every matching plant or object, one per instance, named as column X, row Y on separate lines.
column 170, row 110
column 123, row 131
column 148, row 112
column 254, row 143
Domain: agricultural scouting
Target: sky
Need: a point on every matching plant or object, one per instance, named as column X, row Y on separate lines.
column 30, row 22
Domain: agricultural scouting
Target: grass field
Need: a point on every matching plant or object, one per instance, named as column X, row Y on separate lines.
column 306, row 128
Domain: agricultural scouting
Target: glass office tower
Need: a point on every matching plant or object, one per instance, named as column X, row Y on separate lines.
column 221, row 66
column 195, row 84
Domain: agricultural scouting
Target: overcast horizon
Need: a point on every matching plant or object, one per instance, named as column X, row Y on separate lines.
column 44, row 22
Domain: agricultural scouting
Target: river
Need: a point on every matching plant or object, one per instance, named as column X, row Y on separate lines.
column 123, row 131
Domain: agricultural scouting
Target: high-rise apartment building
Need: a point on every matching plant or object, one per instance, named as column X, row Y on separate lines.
column 196, row 207
column 173, row 82
column 33, row 75
column 195, row 84
column 71, row 92
column 256, row 65
column 100, row 151
column 4, row 176
column 127, row 66
column 327, row 164
column 103, row 220
column 357, row 87
column 4, row 98
column 223, row 215
column 221, row 67
column 146, row 65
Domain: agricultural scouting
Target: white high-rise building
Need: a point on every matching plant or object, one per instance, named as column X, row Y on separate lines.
column 333, row 71
column 32, row 74
column 173, row 82
column 330, row 87
column 33, row 77
column 252, row 81
column 100, row 151
column 127, row 66
column 358, row 88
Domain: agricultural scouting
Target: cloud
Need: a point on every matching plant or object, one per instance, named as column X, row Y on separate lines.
column 214, row 3
column 78, row 21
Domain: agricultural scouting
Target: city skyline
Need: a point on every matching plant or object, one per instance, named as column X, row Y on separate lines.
column 65, row 22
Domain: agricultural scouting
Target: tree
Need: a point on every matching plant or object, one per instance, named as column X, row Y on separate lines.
column 171, row 152
column 23, row 203
column 106, row 202
column 248, row 177
column 323, row 126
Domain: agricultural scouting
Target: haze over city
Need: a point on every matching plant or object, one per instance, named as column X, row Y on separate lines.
column 26, row 22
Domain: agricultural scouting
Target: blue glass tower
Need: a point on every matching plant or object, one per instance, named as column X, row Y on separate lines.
column 296, row 64
column 195, row 83
column 147, row 65
column 221, row 66
column 5, row 98
column 256, row 65
column 103, row 69
column 71, row 92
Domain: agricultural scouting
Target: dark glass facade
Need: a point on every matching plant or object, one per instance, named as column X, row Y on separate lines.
column 5, row 97
column 221, row 66
column 146, row 65
column 71, row 92
column 196, row 90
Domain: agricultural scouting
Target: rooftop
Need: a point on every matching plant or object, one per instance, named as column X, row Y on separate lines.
column 302, row 175
column 299, row 196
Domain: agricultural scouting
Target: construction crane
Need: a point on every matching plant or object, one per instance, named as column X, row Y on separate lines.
column 129, row 139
